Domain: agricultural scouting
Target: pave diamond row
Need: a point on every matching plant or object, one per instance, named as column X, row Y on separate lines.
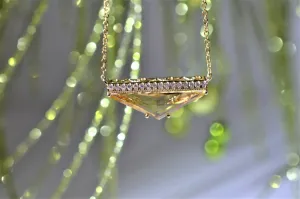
column 156, row 86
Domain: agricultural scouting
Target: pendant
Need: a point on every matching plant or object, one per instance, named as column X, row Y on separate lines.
column 157, row 97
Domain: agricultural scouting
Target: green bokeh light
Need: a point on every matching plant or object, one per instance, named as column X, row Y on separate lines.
column 298, row 11
column 292, row 174
column 224, row 138
column 181, row 9
column 212, row 146
column 50, row 114
column 216, row 129
column 175, row 126
column 206, row 104
column 275, row 182
column 293, row 159
column 275, row 44
column 12, row 61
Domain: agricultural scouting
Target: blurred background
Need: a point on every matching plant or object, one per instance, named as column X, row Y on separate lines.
column 61, row 137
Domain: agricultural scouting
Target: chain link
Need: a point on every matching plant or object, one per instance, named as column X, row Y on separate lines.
column 206, row 40
column 106, row 8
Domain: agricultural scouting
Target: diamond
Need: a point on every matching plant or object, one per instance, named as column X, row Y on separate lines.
column 123, row 87
column 129, row 87
column 141, row 86
column 198, row 84
column 166, row 85
column 117, row 87
column 160, row 86
column 154, row 86
column 110, row 87
column 192, row 85
column 148, row 86
column 179, row 85
column 185, row 85
column 135, row 86
column 173, row 85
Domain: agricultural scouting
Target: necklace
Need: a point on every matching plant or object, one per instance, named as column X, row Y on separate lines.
column 156, row 97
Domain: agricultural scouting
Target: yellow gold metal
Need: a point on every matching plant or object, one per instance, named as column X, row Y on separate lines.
column 206, row 40
column 106, row 7
column 147, row 115
column 157, row 97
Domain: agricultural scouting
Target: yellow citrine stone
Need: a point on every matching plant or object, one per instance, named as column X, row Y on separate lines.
column 157, row 97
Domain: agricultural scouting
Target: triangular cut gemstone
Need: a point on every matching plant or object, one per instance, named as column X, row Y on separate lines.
column 158, row 104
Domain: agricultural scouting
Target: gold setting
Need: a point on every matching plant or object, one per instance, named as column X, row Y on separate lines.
column 157, row 97
column 157, row 85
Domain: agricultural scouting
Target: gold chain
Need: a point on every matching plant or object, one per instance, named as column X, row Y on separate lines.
column 206, row 40
column 105, row 40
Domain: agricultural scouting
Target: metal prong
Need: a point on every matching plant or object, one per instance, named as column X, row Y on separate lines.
column 206, row 92
column 168, row 116
column 108, row 94
column 147, row 115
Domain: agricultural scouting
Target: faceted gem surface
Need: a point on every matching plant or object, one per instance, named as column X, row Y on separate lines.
column 158, row 104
